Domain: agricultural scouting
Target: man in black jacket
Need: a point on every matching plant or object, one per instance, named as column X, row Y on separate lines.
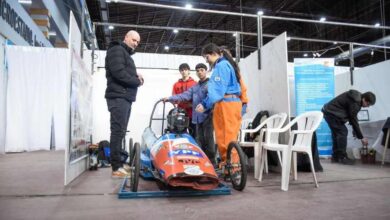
column 122, row 85
column 344, row 108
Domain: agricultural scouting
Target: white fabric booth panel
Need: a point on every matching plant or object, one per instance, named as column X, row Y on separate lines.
column 37, row 98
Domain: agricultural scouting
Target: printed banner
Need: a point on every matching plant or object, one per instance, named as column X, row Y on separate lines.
column 314, row 86
column 81, row 109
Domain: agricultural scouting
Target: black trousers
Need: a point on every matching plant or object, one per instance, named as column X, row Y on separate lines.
column 205, row 138
column 339, row 135
column 120, row 110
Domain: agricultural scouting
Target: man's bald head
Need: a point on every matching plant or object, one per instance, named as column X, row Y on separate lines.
column 132, row 39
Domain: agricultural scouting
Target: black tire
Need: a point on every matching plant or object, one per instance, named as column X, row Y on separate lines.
column 131, row 151
column 135, row 168
column 237, row 170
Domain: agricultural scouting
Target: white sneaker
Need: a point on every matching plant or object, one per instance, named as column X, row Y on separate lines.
column 120, row 173
column 127, row 167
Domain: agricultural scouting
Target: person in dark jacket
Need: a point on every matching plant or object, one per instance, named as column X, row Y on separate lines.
column 122, row 85
column 344, row 108
column 203, row 121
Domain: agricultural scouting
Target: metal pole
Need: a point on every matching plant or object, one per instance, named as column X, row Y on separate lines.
column 238, row 48
column 249, row 15
column 232, row 32
column 351, row 62
column 82, row 27
column 173, row 28
column 93, row 49
column 259, row 39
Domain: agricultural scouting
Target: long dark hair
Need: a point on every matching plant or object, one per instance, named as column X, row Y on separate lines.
column 213, row 48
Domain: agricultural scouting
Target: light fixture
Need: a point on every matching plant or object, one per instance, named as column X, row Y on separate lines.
column 288, row 38
column 175, row 31
column 377, row 25
column 314, row 55
column 111, row 27
column 25, row 1
column 166, row 48
column 335, row 42
column 235, row 35
column 372, row 52
column 305, row 55
column 318, row 55
column 52, row 33
column 322, row 19
column 188, row 6
column 260, row 12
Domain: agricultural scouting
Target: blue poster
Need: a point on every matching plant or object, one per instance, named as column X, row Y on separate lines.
column 314, row 86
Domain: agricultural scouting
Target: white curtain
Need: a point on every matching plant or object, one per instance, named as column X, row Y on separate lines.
column 3, row 86
column 37, row 94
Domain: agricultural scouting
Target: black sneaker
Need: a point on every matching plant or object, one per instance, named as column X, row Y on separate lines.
column 334, row 159
column 346, row 161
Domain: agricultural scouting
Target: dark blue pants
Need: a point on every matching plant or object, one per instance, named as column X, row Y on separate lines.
column 205, row 138
column 120, row 110
column 339, row 135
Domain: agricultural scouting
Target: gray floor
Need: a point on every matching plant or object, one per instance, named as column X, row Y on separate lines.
column 31, row 187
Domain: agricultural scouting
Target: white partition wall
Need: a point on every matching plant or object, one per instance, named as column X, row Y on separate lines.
column 160, row 72
column 374, row 78
column 76, row 154
column 268, row 88
column 158, row 84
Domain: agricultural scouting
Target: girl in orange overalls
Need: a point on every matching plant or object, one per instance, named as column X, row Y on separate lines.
column 224, row 93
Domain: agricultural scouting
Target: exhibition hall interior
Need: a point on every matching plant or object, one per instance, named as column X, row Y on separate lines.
column 194, row 109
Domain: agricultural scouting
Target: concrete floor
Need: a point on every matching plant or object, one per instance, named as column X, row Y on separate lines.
column 31, row 187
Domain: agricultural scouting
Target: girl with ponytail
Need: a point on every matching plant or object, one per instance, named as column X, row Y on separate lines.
column 224, row 91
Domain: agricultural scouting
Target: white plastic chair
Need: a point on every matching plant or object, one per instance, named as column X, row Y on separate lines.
column 299, row 141
column 275, row 121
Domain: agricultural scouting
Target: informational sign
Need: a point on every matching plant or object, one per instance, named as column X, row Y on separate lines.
column 314, row 86
column 76, row 155
column 17, row 25
column 80, row 109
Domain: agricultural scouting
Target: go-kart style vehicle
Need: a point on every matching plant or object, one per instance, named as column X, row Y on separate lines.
column 175, row 160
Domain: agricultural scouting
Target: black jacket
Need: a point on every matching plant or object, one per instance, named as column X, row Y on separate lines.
column 346, row 107
column 121, row 73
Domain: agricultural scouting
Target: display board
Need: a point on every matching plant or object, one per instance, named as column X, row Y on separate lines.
column 314, row 86
column 268, row 88
column 76, row 155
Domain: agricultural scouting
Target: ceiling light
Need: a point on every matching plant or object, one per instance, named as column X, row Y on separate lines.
column 166, row 48
column 235, row 35
column 175, row 31
column 188, row 6
column 377, row 25
column 314, row 55
column 372, row 52
column 111, row 27
column 318, row 55
column 25, row 1
column 322, row 19
column 305, row 55
column 288, row 38
column 260, row 12
column 335, row 42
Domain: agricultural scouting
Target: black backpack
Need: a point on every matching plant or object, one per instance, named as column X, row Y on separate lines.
column 104, row 152
column 260, row 117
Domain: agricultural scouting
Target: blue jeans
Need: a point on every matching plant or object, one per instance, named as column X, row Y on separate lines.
column 120, row 110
